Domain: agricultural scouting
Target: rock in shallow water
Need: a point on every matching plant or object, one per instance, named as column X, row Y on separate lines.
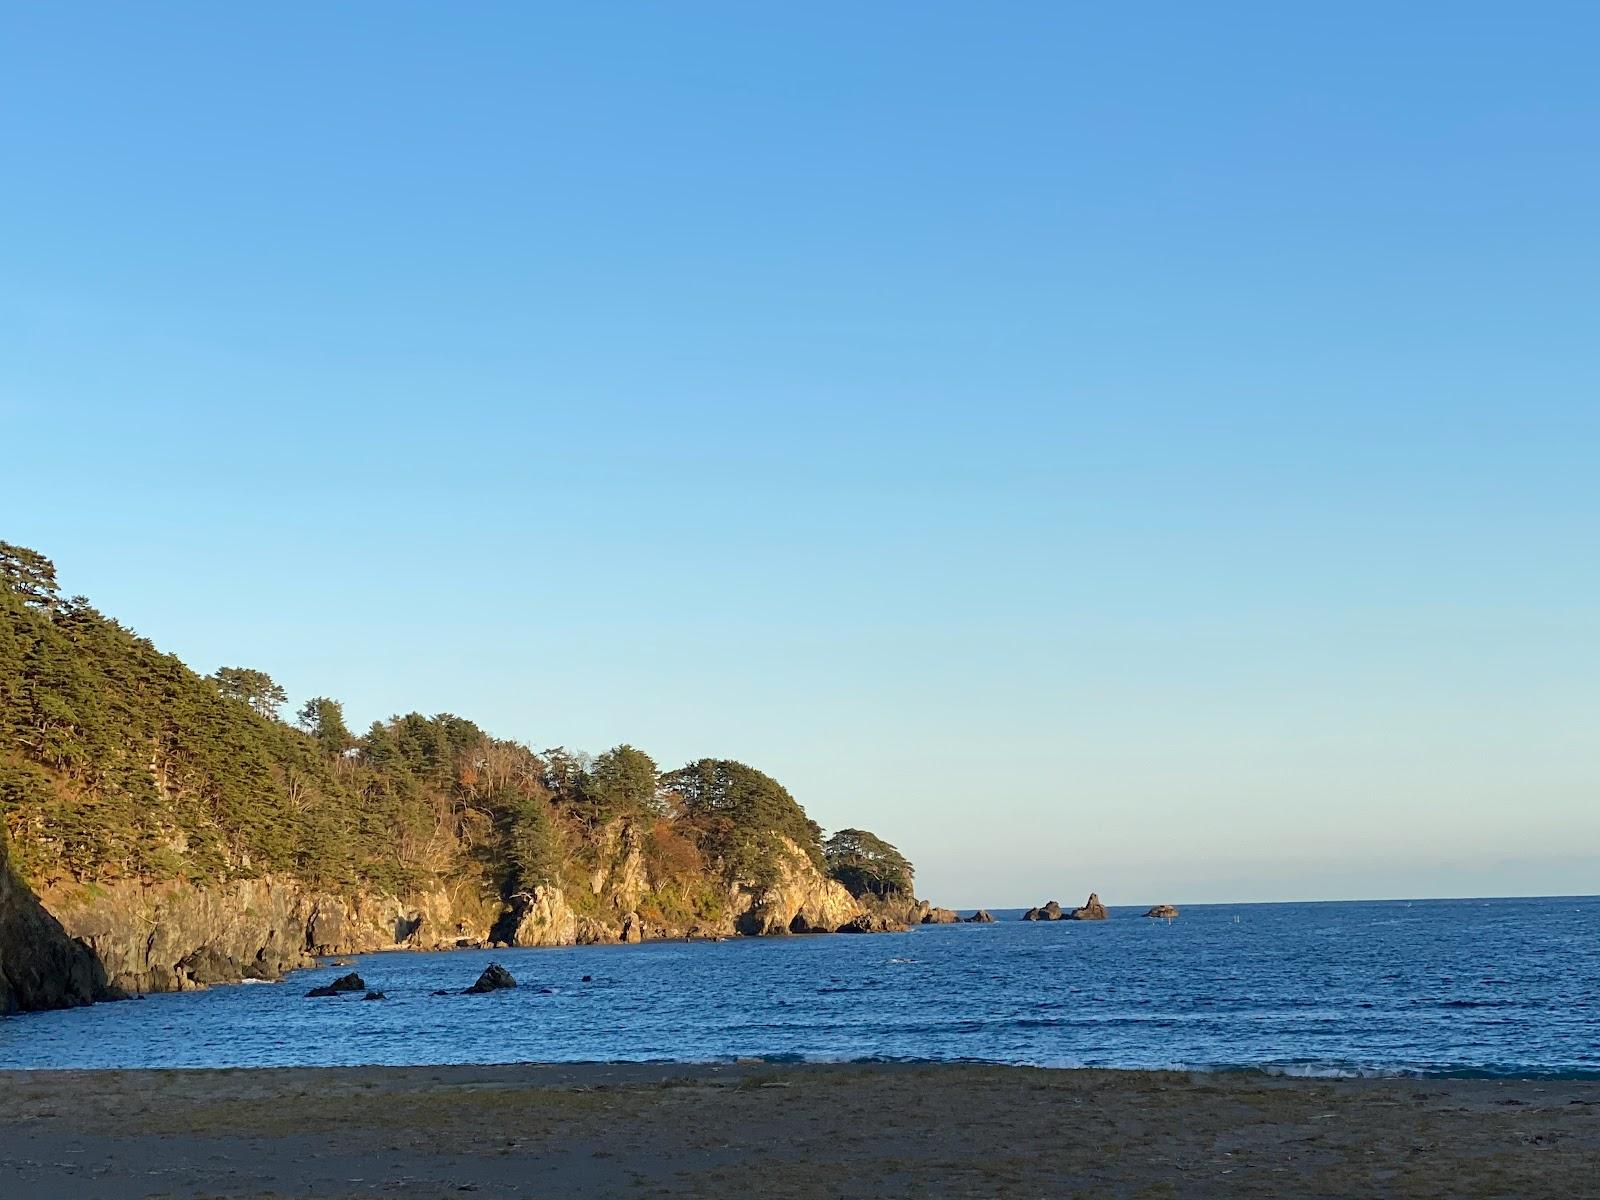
column 345, row 983
column 1092, row 910
column 494, row 978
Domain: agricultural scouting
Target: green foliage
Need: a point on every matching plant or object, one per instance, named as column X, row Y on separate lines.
column 255, row 688
column 117, row 760
column 867, row 865
column 622, row 782
column 740, row 816
column 323, row 719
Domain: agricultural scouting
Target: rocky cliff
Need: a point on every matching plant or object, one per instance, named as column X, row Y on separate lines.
column 175, row 936
column 40, row 965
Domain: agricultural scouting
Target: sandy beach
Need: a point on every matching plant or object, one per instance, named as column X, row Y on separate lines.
column 785, row 1131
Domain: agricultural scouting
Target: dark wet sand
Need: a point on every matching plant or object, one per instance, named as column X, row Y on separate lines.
column 764, row 1131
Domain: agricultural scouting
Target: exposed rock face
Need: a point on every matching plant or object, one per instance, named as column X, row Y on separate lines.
column 541, row 917
column 1168, row 911
column 176, row 936
column 494, row 979
column 1092, row 910
column 799, row 899
column 941, row 916
column 1049, row 912
column 981, row 917
column 40, row 965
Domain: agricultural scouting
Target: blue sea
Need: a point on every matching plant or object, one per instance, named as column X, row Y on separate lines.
column 1427, row 987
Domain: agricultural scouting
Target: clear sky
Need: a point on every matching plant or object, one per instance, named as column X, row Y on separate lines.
column 1146, row 448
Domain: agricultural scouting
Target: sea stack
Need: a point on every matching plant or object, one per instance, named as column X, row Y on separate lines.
column 1092, row 910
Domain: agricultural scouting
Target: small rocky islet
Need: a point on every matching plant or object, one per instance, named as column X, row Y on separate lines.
column 1091, row 910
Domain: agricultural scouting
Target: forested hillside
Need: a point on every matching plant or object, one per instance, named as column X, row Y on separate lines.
column 128, row 780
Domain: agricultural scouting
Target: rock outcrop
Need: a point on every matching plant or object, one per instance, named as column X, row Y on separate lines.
column 495, row 978
column 41, row 966
column 541, row 917
column 1168, row 911
column 798, row 898
column 941, row 916
column 176, row 936
column 1092, row 910
column 345, row 983
column 1051, row 911
column 981, row 917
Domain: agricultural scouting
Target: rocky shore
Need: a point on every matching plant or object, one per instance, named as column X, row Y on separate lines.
column 82, row 943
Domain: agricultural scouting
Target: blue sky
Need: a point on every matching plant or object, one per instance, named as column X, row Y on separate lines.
column 1147, row 451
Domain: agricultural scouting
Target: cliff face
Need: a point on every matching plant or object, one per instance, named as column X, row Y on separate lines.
column 176, row 936
column 799, row 899
column 40, row 965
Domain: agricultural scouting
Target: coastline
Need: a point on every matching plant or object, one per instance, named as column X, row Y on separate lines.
column 800, row 1130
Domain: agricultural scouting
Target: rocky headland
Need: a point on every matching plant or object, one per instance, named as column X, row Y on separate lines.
column 171, row 831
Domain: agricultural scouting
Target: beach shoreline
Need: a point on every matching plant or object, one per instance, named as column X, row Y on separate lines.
column 786, row 1130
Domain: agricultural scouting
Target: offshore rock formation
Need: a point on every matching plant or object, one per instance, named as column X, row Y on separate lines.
column 1092, row 910
column 40, row 965
column 981, row 917
column 941, row 916
column 1167, row 911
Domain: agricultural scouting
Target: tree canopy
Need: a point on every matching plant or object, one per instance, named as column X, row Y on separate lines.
column 868, row 865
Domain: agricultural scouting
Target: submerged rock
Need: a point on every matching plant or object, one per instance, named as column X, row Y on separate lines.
column 345, row 983
column 374, row 996
column 1169, row 911
column 494, row 978
column 981, row 917
column 1092, row 910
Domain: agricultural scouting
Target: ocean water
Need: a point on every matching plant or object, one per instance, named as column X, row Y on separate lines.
column 1457, row 987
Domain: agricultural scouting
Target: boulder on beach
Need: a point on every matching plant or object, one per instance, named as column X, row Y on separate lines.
column 494, row 978
column 1168, row 911
column 981, row 917
column 1092, row 910
column 345, row 983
